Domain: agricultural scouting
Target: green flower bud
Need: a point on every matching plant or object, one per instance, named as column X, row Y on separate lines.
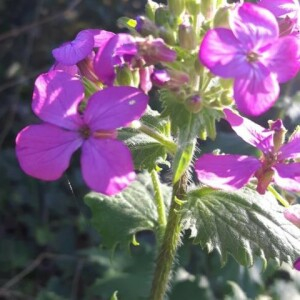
column 221, row 18
column 194, row 103
column 176, row 7
column 167, row 34
column 210, row 124
column 125, row 76
column 193, row 6
column 226, row 98
column 187, row 37
column 150, row 9
column 163, row 16
column 208, row 8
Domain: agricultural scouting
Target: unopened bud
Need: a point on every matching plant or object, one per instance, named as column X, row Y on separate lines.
column 279, row 133
column 193, row 6
column 150, row 9
column 167, row 34
column 226, row 98
column 124, row 76
column 145, row 26
column 176, row 7
column 210, row 126
column 194, row 103
column 221, row 18
column 208, row 8
column 163, row 16
column 187, row 37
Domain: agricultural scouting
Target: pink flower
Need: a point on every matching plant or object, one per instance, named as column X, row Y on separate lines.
column 292, row 213
column 253, row 54
column 44, row 151
column 297, row 264
column 231, row 172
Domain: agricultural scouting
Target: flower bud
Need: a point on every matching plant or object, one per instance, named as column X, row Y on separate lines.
column 187, row 37
column 292, row 213
column 208, row 8
column 194, row 103
column 221, row 18
column 154, row 51
column 145, row 26
column 193, row 6
column 163, row 16
column 150, row 9
column 167, row 34
column 226, row 98
column 176, row 7
column 279, row 133
column 297, row 264
column 125, row 76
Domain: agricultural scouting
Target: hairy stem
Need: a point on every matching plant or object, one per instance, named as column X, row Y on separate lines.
column 168, row 143
column 162, row 220
column 171, row 240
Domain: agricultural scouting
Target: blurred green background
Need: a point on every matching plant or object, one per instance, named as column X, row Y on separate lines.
column 48, row 249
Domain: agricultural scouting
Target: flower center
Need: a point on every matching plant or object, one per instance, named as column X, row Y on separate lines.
column 252, row 57
column 85, row 132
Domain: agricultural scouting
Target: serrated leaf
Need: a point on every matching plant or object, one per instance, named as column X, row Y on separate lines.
column 243, row 224
column 146, row 151
column 120, row 217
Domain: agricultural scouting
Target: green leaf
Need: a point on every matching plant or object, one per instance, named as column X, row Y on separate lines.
column 146, row 151
column 242, row 223
column 120, row 217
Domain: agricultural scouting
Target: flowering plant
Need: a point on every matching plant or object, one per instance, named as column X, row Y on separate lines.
column 203, row 61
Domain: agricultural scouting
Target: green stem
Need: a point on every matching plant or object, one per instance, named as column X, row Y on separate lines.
column 160, row 205
column 170, row 243
column 278, row 196
column 169, row 145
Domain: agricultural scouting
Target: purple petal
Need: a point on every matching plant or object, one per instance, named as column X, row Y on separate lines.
column 297, row 264
column 256, row 93
column 282, row 58
column 254, row 26
column 44, row 151
column 72, row 70
column 114, row 107
column 56, row 97
column 228, row 172
column 106, row 165
column 292, row 213
column 72, row 52
column 101, row 37
column 281, row 8
column 291, row 150
column 108, row 55
column 250, row 132
column 287, row 176
column 223, row 54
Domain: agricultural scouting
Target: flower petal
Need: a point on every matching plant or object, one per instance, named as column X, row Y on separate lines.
column 287, row 176
column 101, row 37
column 250, row 132
column 257, row 92
column 222, row 53
column 291, row 150
column 114, row 107
column 56, row 97
column 228, row 172
column 108, row 54
column 71, row 53
column 282, row 58
column 297, row 264
column 106, row 165
column 254, row 26
column 44, row 151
